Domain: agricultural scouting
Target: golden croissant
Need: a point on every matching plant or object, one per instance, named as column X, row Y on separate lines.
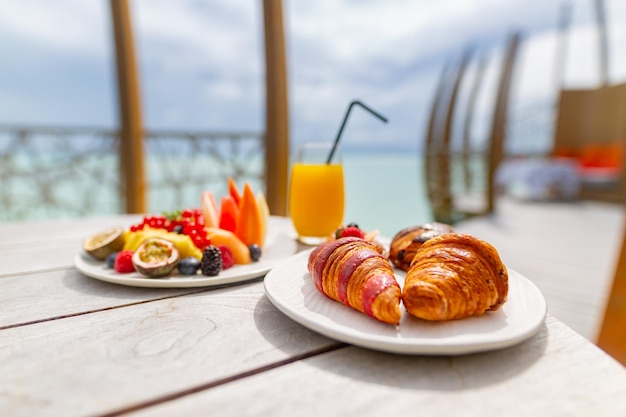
column 453, row 276
column 350, row 270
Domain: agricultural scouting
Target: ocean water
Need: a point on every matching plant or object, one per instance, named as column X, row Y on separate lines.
column 384, row 190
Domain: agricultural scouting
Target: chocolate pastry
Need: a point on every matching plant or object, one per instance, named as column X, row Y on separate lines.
column 407, row 241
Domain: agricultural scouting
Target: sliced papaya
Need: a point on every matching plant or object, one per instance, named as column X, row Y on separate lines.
column 241, row 253
column 229, row 211
column 249, row 224
column 234, row 191
column 209, row 210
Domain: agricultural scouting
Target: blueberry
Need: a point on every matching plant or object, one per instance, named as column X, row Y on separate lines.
column 111, row 260
column 178, row 229
column 188, row 266
column 255, row 252
column 353, row 225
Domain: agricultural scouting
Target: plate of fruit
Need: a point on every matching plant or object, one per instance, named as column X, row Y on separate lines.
column 214, row 244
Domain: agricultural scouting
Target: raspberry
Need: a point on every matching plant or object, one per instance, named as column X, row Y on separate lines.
column 227, row 257
column 352, row 231
column 124, row 262
column 211, row 263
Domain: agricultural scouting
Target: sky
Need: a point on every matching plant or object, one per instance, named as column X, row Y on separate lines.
column 202, row 63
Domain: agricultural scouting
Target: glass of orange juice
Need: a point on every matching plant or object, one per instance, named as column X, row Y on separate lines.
column 316, row 192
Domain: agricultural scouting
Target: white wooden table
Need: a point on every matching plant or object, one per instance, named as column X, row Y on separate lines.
column 74, row 346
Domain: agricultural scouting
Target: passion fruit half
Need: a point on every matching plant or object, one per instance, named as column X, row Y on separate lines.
column 104, row 243
column 156, row 257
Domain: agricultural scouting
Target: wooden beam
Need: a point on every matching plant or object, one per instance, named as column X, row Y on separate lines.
column 612, row 337
column 603, row 49
column 131, row 130
column 277, row 109
column 500, row 115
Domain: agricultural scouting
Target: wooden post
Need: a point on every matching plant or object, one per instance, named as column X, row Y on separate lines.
column 277, row 115
column 565, row 18
column 603, row 49
column 499, row 120
column 612, row 337
column 131, row 131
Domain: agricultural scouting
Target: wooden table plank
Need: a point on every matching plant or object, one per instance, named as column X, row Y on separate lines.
column 43, row 246
column 28, row 258
column 353, row 381
column 27, row 232
column 43, row 296
column 116, row 358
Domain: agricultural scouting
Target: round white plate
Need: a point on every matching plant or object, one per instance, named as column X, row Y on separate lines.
column 279, row 246
column 291, row 289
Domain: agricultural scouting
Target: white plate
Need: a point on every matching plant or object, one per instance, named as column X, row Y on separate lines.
column 279, row 245
column 291, row 289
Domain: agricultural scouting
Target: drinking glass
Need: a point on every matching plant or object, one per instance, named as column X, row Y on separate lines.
column 316, row 192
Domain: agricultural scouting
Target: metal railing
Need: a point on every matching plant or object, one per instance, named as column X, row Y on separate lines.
column 48, row 172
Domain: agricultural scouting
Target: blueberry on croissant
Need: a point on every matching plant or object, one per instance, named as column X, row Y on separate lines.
column 350, row 270
column 453, row 276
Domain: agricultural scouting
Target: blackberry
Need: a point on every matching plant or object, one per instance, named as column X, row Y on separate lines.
column 211, row 264
column 255, row 252
column 188, row 266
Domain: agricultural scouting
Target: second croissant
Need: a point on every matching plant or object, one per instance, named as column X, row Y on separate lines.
column 453, row 276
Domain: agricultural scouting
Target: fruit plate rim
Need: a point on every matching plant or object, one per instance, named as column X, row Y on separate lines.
column 290, row 288
column 279, row 246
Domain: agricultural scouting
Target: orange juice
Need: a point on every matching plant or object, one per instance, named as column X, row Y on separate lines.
column 316, row 199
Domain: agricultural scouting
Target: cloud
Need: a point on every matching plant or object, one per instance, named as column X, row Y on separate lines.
column 202, row 62
column 66, row 26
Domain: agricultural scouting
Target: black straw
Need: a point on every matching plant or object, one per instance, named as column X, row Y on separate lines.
column 345, row 120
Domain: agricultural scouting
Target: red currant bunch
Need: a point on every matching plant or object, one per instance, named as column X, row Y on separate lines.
column 154, row 221
column 189, row 222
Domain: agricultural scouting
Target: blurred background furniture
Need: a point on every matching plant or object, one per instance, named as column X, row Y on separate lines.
column 460, row 179
column 591, row 130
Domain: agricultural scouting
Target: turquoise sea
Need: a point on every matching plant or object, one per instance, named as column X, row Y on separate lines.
column 384, row 190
